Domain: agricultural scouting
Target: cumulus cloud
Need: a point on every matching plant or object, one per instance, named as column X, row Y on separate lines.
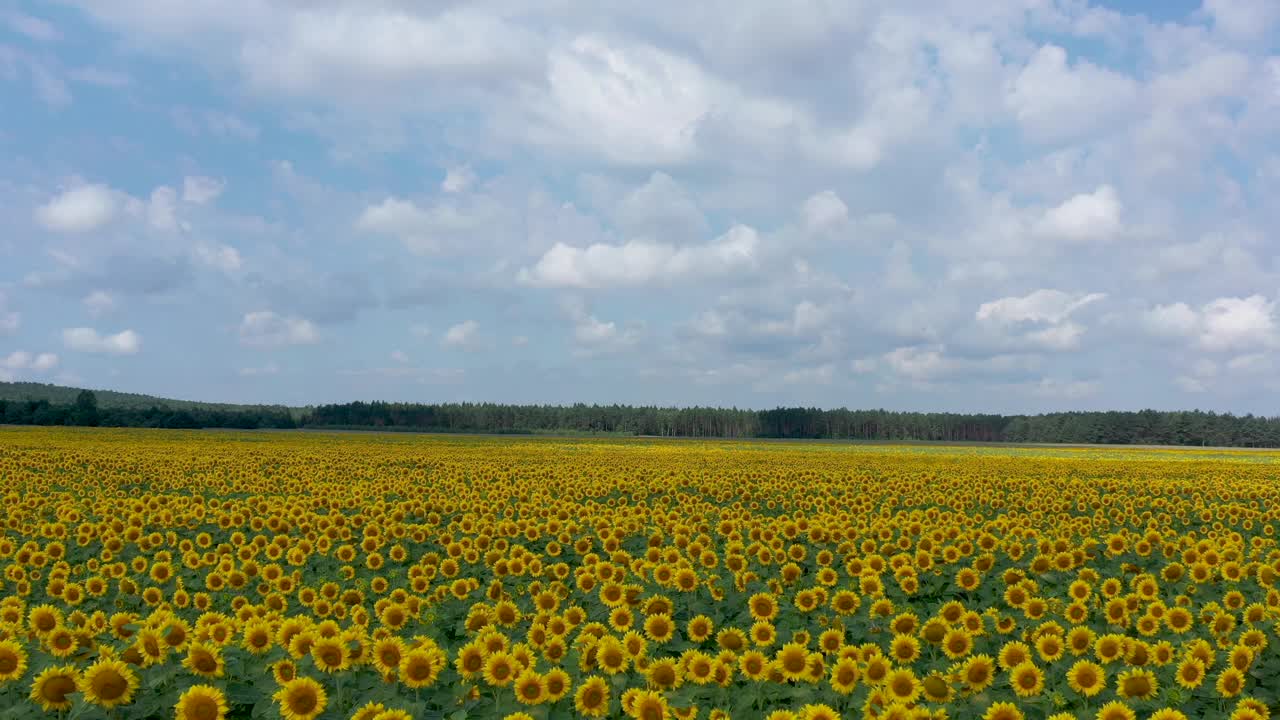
column 79, row 209
column 824, row 211
column 1220, row 325
column 1087, row 217
column 200, row 190
column 267, row 329
column 99, row 303
column 458, row 179
column 89, row 340
column 462, row 335
column 642, row 262
column 1050, row 93
column 1040, row 306
column 431, row 229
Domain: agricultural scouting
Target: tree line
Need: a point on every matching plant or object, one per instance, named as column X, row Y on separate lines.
column 85, row 412
column 1145, row 427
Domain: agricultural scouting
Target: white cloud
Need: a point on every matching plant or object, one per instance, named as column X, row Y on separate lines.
column 1224, row 324
column 162, row 211
column 824, row 211
column 399, row 356
column 267, row 329
column 23, row 360
column 217, row 256
column 1244, row 19
column 99, row 303
column 439, row 227
column 1056, row 101
column 458, row 179
column 642, row 262
column 1040, row 306
column 89, row 340
column 630, row 103
column 461, row 335
column 592, row 335
column 200, row 190
column 1086, row 217
column 80, row 209
column 1058, row 337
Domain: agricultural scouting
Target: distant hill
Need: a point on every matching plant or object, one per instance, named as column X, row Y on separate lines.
column 112, row 400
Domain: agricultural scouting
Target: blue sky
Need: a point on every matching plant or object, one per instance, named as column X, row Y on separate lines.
column 1014, row 205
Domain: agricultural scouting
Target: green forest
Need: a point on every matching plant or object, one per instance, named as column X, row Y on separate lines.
column 34, row 404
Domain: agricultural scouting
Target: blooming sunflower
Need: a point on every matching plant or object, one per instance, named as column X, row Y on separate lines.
column 201, row 702
column 13, row 661
column 301, row 699
column 109, row 683
column 51, row 687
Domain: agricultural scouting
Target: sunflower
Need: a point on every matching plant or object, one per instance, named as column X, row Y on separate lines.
column 301, row 699
column 205, row 660
column 61, row 643
column 792, row 661
column 1116, row 710
column 763, row 607
column 817, row 711
column 387, row 654
column 368, row 711
column 1137, row 683
column 556, row 684
column 844, row 675
column 754, row 665
column 109, row 683
column 1087, row 678
column 592, row 697
column 201, row 702
column 904, row 649
column 659, row 627
column 1230, row 683
column 664, row 674
column 649, row 705
column 902, row 685
column 978, row 672
column 1171, row 714
column 500, row 669
column 530, row 688
column 52, row 686
column 1002, row 711
column 470, row 661
column 420, row 667
column 13, row 661
column 1026, row 679
column 330, row 655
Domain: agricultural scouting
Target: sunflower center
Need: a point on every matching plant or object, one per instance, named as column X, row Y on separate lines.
column 110, row 685
column 56, row 689
column 203, row 709
column 303, row 701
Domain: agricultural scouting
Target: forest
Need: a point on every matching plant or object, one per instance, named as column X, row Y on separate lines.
column 53, row 405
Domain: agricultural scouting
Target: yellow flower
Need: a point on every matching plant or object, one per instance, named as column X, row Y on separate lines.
column 592, row 697
column 108, row 683
column 51, row 687
column 201, row 702
column 1026, row 679
column 301, row 699
column 13, row 661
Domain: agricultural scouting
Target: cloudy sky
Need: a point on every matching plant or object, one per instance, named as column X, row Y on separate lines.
column 1012, row 205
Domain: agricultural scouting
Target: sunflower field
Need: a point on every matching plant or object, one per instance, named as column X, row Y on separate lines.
column 210, row 575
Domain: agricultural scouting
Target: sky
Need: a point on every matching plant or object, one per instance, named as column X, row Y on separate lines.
column 1005, row 206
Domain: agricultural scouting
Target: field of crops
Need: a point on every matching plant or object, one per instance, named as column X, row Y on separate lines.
column 203, row 575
